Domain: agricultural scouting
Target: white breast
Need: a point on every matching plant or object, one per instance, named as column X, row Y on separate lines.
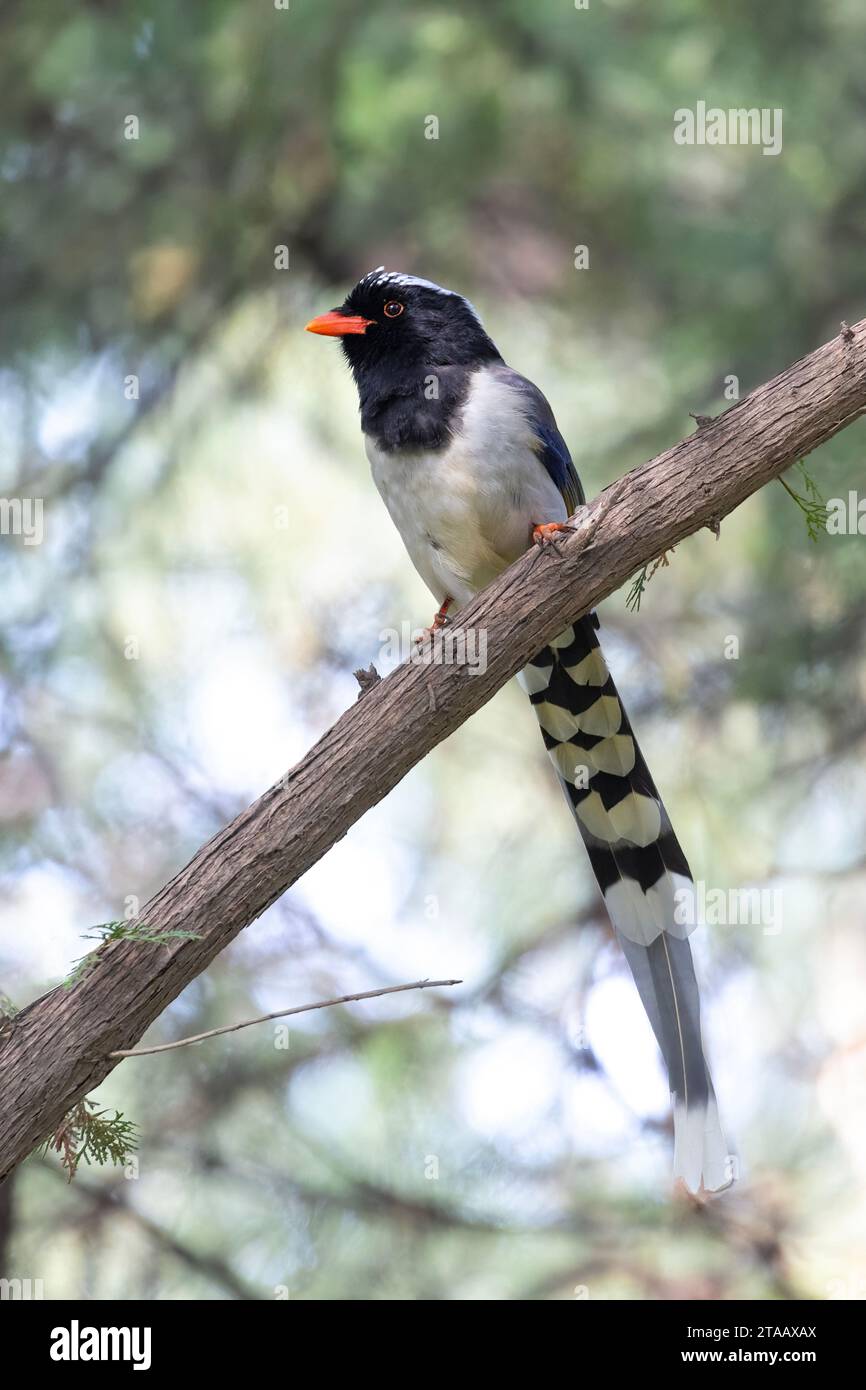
column 466, row 511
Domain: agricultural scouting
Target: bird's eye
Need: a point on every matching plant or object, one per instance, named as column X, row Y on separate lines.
column 393, row 309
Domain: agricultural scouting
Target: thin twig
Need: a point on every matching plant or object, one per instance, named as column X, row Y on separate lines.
column 790, row 491
column 284, row 1013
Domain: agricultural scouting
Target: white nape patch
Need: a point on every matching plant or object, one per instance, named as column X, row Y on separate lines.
column 396, row 277
column 701, row 1156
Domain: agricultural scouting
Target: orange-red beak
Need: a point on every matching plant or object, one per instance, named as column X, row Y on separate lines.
column 335, row 324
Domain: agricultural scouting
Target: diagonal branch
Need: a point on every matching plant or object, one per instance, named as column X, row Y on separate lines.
column 57, row 1049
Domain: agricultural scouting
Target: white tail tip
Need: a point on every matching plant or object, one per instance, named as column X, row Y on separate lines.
column 702, row 1160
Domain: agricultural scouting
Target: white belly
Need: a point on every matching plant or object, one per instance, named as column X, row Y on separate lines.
column 466, row 511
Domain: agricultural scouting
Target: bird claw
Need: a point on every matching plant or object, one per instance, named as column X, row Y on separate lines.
column 545, row 534
column 426, row 632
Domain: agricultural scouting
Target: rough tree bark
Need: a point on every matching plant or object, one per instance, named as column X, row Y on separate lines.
column 56, row 1050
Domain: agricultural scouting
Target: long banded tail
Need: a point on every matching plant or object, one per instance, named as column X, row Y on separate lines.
column 642, row 873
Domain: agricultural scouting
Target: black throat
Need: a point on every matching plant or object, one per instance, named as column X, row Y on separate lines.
column 419, row 409
column 412, row 384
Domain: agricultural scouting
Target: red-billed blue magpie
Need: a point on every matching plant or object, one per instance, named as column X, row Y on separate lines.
column 472, row 468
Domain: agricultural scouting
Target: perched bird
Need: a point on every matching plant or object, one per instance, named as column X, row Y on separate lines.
column 472, row 468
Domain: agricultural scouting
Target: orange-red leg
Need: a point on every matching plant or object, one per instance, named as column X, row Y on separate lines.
column 440, row 620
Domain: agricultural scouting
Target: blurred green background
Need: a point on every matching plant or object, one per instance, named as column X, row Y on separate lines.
column 216, row 562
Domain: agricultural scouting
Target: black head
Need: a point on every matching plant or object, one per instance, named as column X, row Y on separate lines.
column 402, row 324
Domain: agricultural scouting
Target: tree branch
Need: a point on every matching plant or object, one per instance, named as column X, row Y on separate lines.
column 57, row 1049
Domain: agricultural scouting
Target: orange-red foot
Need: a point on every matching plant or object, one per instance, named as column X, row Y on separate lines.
column 547, row 532
column 441, row 620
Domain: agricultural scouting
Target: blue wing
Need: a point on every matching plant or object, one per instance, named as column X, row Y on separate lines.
column 552, row 449
column 557, row 460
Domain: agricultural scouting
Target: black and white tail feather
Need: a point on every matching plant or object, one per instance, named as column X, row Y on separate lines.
column 642, row 873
